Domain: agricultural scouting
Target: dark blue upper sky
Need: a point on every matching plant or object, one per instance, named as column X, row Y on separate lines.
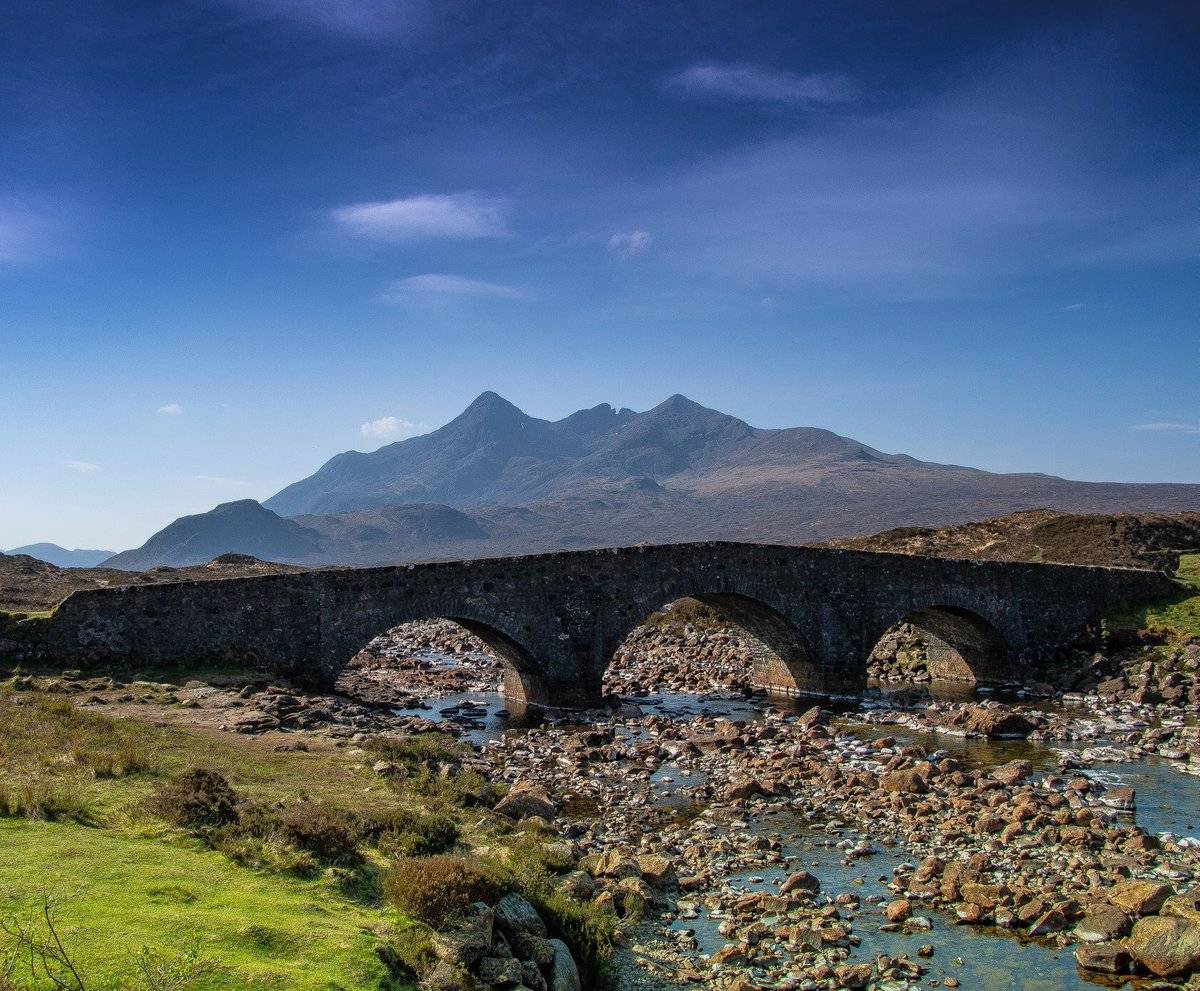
column 238, row 236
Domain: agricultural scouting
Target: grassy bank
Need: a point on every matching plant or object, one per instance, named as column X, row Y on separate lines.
column 264, row 864
column 1175, row 618
column 118, row 892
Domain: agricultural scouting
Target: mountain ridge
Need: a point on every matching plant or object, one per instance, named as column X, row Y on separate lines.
column 496, row 481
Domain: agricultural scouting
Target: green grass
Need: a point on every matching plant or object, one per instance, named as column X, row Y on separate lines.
column 121, row 892
column 1177, row 617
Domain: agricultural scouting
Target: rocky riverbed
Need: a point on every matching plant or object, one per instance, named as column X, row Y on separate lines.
column 901, row 842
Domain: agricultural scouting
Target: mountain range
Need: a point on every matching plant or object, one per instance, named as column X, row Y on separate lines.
column 496, row 481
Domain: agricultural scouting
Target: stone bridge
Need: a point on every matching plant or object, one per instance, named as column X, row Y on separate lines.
column 556, row 620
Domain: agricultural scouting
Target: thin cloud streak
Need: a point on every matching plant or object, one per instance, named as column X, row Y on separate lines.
column 743, row 82
column 170, row 409
column 415, row 218
column 82, row 467
column 362, row 19
column 435, row 284
column 1168, row 428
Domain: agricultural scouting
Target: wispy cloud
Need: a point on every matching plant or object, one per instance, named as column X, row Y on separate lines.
column 391, row 428
column 82, row 467
column 1168, row 428
column 626, row 245
column 433, row 284
column 29, row 231
column 1072, row 307
column 979, row 183
column 456, row 215
column 170, row 409
column 745, row 82
column 222, row 481
column 364, row 19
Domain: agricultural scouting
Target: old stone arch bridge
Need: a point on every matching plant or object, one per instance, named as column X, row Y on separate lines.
column 557, row 619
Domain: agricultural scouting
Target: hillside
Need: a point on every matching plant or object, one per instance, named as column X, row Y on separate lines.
column 495, row 481
column 30, row 585
column 1129, row 540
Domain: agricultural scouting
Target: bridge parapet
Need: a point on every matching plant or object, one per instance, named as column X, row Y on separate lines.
column 557, row 619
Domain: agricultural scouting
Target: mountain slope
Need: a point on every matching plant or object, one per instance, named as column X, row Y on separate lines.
column 243, row 527
column 61, row 557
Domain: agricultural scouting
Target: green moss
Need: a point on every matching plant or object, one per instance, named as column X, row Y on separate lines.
column 1177, row 617
column 121, row 892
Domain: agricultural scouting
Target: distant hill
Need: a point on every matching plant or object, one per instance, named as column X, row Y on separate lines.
column 243, row 527
column 496, row 481
column 61, row 557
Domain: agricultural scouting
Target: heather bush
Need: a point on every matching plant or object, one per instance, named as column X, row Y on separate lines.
column 197, row 800
column 435, row 890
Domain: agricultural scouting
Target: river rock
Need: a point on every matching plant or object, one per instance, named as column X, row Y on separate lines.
column 1102, row 924
column 1165, row 946
column 1139, row 897
column 525, row 800
column 1104, row 958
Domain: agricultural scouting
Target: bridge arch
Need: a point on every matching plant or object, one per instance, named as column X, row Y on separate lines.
column 781, row 659
column 524, row 683
column 960, row 644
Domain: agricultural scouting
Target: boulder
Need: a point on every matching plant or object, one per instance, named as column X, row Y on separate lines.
column 515, row 915
column 1165, row 946
column 563, row 974
column 468, row 941
column 906, row 781
column 1012, row 772
column 656, row 868
column 1103, row 958
column 500, row 972
column 1139, row 897
column 524, row 801
column 1185, row 906
column 1102, row 924
column 800, row 881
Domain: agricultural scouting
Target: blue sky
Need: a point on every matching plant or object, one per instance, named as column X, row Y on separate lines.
column 239, row 236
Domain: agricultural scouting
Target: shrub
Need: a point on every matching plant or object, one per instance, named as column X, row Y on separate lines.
column 197, row 800
column 263, row 853
column 409, row 833
column 421, row 749
column 330, row 834
column 436, row 889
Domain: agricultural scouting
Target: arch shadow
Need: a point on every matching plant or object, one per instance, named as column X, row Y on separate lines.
column 960, row 645
column 781, row 661
column 523, row 684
